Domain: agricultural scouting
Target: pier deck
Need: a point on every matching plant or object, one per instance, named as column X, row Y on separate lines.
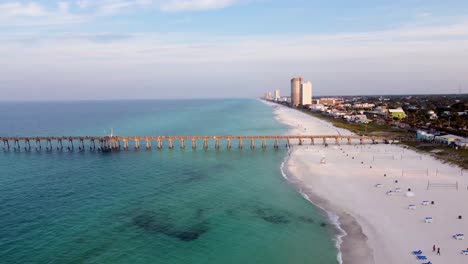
column 115, row 143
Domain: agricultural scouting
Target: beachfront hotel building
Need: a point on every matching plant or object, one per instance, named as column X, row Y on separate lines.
column 306, row 93
column 277, row 95
column 296, row 91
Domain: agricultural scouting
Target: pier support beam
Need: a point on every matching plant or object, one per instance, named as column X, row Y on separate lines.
column 81, row 145
column 6, row 145
column 49, row 144
column 263, row 143
column 228, row 143
column 125, row 144
column 136, row 142
column 288, row 143
column 59, row 144
column 300, row 141
column 70, row 144
column 17, row 146
column 337, row 141
column 38, row 144
column 324, row 140
column 240, row 143
column 159, row 143
column 361, row 141
column 92, row 145
column 27, row 145
column 171, row 143
column 194, row 143
column 276, row 144
column 148, row 143
column 349, row 141
column 217, row 143
column 182, row 143
column 252, row 143
column 312, row 142
column 205, row 143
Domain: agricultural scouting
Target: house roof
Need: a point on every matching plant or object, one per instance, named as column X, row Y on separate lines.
column 450, row 137
column 398, row 110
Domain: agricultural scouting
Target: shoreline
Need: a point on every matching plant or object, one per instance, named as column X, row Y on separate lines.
column 377, row 228
column 348, row 232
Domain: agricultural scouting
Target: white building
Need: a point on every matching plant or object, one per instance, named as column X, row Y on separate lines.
column 306, row 93
column 364, row 106
column 277, row 95
column 317, row 107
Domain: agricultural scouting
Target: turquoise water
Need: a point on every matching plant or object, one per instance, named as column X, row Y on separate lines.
column 168, row 206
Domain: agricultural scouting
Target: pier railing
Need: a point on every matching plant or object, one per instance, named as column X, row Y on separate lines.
column 115, row 143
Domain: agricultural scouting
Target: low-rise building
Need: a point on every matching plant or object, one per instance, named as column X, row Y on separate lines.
column 363, row 106
column 317, row 107
column 424, row 135
column 397, row 113
column 432, row 115
column 461, row 143
column 328, row 101
column 359, row 119
column 447, row 139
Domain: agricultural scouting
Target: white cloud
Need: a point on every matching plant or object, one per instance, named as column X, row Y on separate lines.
column 83, row 4
column 416, row 59
column 195, row 5
column 110, row 7
column 15, row 13
column 34, row 14
column 17, row 9
column 63, row 7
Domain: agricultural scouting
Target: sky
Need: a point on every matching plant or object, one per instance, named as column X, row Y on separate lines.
column 158, row 49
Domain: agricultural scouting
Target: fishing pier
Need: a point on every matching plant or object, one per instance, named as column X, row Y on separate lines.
column 116, row 143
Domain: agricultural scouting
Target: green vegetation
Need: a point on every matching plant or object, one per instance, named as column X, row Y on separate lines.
column 444, row 153
column 370, row 129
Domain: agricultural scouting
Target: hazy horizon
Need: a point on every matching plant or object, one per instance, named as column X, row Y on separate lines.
column 182, row 49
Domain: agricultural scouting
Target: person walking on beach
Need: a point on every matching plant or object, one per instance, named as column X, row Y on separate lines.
column 433, row 248
column 438, row 251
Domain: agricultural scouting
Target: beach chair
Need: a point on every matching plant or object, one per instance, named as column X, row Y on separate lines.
column 390, row 193
column 425, row 203
column 465, row 252
column 459, row 236
column 428, row 220
column 417, row 252
column 398, row 190
column 378, row 185
column 421, row 257
column 427, row 262
column 412, row 207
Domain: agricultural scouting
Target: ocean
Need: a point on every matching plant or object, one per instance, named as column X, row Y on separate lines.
column 158, row 206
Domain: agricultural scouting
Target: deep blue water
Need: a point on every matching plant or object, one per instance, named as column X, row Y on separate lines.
column 168, row 206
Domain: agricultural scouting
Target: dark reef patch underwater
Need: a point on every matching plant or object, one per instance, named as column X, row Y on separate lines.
column 161, row 222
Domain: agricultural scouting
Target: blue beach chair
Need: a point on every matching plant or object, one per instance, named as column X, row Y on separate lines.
column 421, row 257
column 418, row 252
column 427, row 262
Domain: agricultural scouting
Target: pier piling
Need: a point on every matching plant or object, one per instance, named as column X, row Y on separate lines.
column 170, row 143
column 205, row 143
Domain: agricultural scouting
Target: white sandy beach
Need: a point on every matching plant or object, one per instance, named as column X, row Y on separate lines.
column 381, row 228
